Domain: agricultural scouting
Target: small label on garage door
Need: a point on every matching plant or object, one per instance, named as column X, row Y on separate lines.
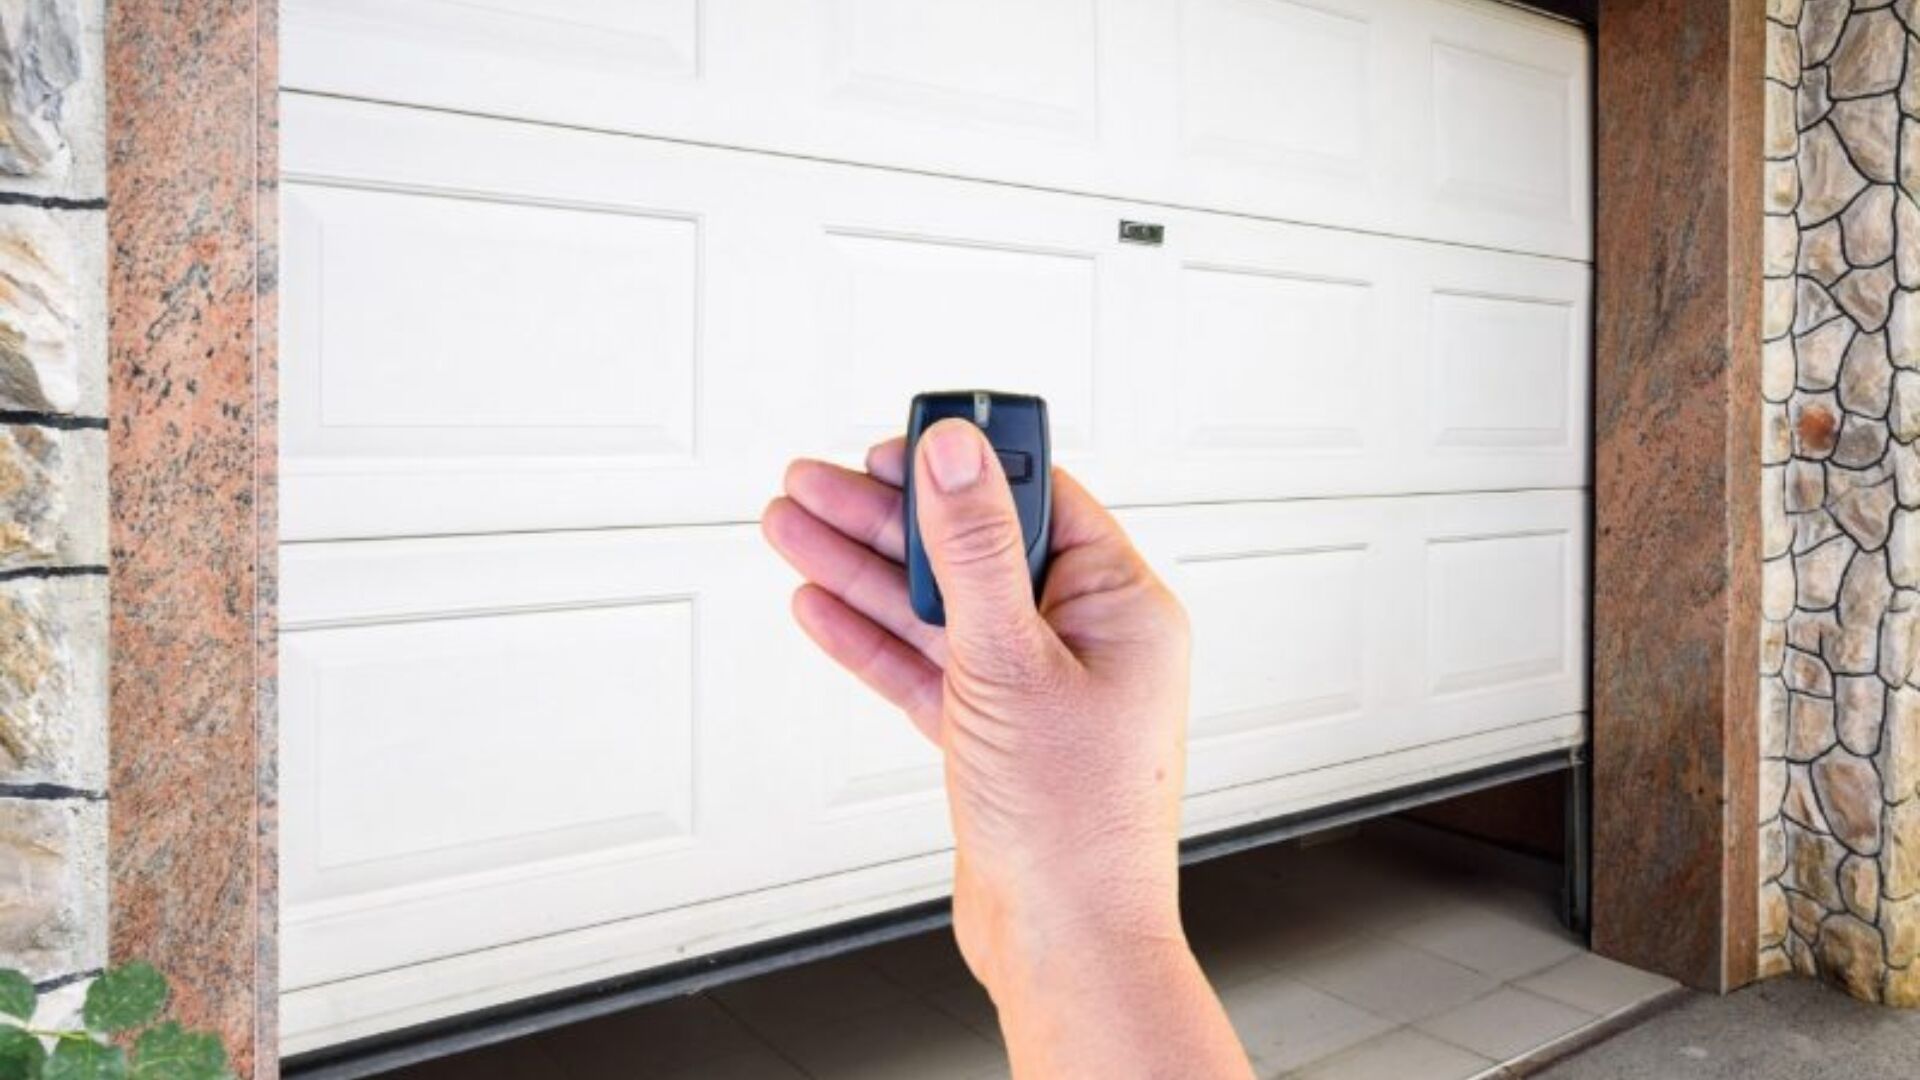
column 1142, row 232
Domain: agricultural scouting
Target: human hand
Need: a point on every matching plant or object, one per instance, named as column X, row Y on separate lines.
column 1062, row 723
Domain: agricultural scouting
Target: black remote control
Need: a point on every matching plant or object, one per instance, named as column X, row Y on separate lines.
column 1016, row 426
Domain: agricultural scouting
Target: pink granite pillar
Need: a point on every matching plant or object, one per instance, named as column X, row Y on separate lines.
column 191, row 173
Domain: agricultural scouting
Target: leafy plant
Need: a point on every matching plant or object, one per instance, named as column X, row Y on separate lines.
column 122, row 1010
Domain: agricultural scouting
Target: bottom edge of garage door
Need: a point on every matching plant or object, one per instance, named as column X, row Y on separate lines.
column 313, row 1018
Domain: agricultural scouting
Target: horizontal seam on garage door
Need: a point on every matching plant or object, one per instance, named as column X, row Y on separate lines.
column 657, row 912
column 734, row 523
column 905, row 170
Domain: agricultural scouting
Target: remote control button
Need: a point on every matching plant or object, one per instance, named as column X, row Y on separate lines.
column 1018, row 466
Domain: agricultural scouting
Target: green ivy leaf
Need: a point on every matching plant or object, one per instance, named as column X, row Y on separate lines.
column 21, row 1055
column 84, row 1059
column 17, row 996
column 125, row 998
column 170, row 1052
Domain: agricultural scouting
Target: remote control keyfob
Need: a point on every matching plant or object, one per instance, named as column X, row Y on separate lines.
column 1016, row 426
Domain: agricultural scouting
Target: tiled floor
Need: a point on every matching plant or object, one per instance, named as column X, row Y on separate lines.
column 1393, row 952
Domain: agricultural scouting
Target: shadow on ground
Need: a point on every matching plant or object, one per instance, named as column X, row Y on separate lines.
column 1789, row 1029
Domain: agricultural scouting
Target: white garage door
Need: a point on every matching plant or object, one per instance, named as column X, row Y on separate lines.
column 565, row 282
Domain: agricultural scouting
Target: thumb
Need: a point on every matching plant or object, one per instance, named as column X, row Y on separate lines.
column 972, row 536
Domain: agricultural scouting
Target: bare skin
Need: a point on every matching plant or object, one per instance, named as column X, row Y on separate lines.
column 1063, row 729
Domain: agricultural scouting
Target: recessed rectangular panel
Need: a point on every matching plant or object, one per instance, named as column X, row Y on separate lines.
column 1278, row 636
column 1027, row 63
column 438, row 325
column 1497, row 610
column 454, row 745
column 1502, row 133
column 660, row 37
column 1266, row 77
column 1270, row 360
column 879, row 757
column 1503, row 371
column 925, row 314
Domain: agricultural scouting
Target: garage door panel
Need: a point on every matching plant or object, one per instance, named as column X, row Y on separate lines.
column 1424, row 118
column 1333, row 630
column 584, row 716
column 725, row 311
column 967, row 62
column 1279, row 81
column 493, row 738
column 905, row 313
column 443, row 326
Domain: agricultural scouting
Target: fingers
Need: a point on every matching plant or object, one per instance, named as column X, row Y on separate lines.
column 856, row 504
column 885, row 663
column 871, row 585
column 972, row 534
column 888, row 461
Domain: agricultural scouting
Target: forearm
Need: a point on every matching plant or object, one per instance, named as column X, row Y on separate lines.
column 1116, row 1010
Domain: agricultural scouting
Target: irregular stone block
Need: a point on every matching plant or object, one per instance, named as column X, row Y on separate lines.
column 1776, row 299
column 1807, row 675
column 1904, row 414
column 1900, row 862
column 1782, row 187
column 1828, row 180
column 1898, row 754
column 1906, row 248
column 1804, row 916
column 1849, row 791
column 1869, row 56
column 1866, row 294
column 1859, row 706
column 1776, row 435
column 1903, row 549
column 52, row 331
column 1822, row 257
column 1774, row 963
column 1802, row 956
column 1773, row 647
column 1783, row 56
column 1816, row 426
column 1899, row 637
column 1866, row 377
column 53, row 497
column 1801, row 805
column 53, row 681
column 1805, row 485
column 1821, row 22
column 1813, row 305
column 1776, row 532
column 1809, row 631
column 1904, row 462
column 1810, row 730
column 52, row 97
column 1776, row 588
column 1818, row 572
column 53, row 885
column 1817, row 354
column 1902, row 988
column 1903, row 328
column 1773, row 789
column 1773, row 915
column 1783, row 109
column 1773, row 850
column 1780, row 245
column 1909, row 168
column 1867, row 128
column 1901, row 925
column 1860, row 887
column 1852, row 956
column 39, row 60
column 1810, row 530
column 1865, row 513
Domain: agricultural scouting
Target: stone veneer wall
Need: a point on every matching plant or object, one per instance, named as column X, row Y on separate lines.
column 1840, row 497
column 53, row 501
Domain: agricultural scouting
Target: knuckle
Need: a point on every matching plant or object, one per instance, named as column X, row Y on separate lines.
column 981, row 541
